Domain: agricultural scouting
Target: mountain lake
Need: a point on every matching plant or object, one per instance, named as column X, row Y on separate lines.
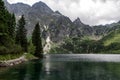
column 66, row 67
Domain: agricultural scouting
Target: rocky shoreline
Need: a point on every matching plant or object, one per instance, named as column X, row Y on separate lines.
column 13, row 62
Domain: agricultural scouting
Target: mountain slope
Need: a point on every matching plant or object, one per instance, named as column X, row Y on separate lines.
column 81, row 29
column 113, row 37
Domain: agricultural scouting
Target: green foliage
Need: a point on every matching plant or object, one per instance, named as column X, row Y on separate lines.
column 113, row 51
column 37, row 42
column 9, row 56
column 11, row 26
column 7, row 32
column 31, row 47
column 13, row 50
column 109, row 44
column 77, row 45
column 113, row 48
column 30, row 56
column 7, row 21
column 21, row 38
column 3, row 18
column 58, row 50
column 112, row 37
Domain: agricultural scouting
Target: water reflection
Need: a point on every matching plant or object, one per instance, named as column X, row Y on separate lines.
column 13, row 73
column 28, row 71
column 57, row 69
column 34, row 71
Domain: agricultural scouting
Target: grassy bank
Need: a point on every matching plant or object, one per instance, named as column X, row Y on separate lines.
column 9, row 56
column 29, row 56
column 15, row 56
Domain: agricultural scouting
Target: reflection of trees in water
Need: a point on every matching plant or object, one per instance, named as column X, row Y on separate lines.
column 34, row 71
column 21, row 73
column 28, row 71
column 14, row 73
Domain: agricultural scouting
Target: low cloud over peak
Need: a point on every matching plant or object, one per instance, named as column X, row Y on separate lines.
column 92, row 12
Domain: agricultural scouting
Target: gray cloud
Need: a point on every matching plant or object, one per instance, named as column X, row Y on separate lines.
column 92, row 12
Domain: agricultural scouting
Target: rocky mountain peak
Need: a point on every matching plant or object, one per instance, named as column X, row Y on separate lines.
column 42, row 7
column 20, row 9
column 39, row 5
column 77, row 21
column 57, row 12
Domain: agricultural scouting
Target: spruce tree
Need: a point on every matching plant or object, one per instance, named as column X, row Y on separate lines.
column 3, row 18
column 11, row 26
column 7, row 30
column 37, row 42
column 21, row 38
column 4, row 15
column 2, row 4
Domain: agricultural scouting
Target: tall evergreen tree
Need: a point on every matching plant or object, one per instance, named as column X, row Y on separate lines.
column 2, row 5
column 11, row 26
column 21, row 38
column 4, row 15
column 7, row 28
column 37, row 42
column 3, row 18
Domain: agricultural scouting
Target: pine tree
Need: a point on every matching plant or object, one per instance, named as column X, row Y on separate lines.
column 4, row 14
column 7, row 31
column 37, row 42
column 2, row 7
column 21, row 38
column 3, row 18
column 11, row 26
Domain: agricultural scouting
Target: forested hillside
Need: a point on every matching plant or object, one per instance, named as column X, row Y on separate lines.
column 7, row 32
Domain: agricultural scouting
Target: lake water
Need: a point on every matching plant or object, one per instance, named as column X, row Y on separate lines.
column 66, row 67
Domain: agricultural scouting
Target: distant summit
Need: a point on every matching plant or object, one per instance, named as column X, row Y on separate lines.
column 78, row 21
column 42, row 8
column 58, row 12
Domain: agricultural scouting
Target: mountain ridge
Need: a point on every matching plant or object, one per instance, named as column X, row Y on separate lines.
column 40, row 12
column 58, row 25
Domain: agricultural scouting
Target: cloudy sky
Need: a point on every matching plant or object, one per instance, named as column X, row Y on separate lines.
column 92, row 12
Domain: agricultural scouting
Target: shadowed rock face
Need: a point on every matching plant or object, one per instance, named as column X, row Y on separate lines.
column 81, row 29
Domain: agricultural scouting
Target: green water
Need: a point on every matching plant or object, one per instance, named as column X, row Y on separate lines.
column 54, row 69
